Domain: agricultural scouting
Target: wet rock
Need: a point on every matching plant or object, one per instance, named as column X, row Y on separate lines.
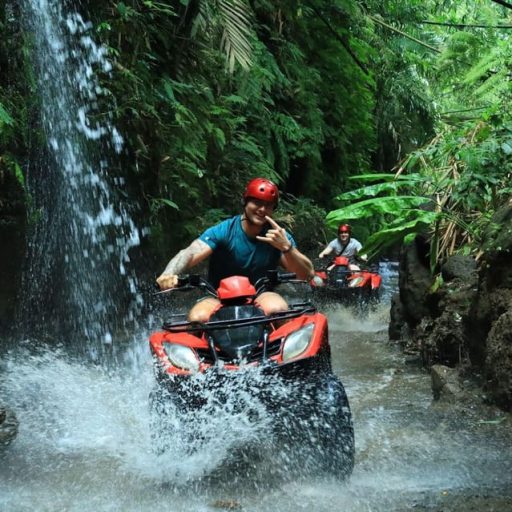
column 397, row 323
column 227, row 504
column 499, row 361
column 466, row 321
column 12, row 234
column 487, row 336
column 8, row 426
column 499, row 235
column 415, row 282
column 445, row 383
column 488, row 306
column 442, row 339
column 459, row 266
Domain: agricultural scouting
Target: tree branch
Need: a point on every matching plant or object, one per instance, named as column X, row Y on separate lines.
column 380, row 22
column 462, row 25
column 502, row 2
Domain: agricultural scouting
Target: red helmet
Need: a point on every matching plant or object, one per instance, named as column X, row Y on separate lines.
column 344, row 228
column 263, row 189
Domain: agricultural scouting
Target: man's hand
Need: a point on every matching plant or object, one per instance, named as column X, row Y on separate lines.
column 167, row 281
column 276, row 236
column 326, row 252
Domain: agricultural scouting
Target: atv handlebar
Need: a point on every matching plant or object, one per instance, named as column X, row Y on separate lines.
column 190, row 282
column 187, row 326
column 268, row 282
column 273, row 279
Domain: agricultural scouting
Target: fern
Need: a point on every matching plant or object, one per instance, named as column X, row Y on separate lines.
column 5, row 118
column 232, row 18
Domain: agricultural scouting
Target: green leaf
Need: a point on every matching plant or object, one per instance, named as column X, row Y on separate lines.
column 168, row 90
column 438, row 283
column 507, row 148
column 374, row 177
column 121, row 9
column 104, row 27
column 167, row 202
column 219, row 137
column 398, row 232
column 161, row 7
column 233, row 98
column 372, row 190
column 19, row 174
column 5, row 118
column 396, row 206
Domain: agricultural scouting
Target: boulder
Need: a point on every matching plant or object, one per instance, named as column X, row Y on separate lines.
column 415, row 282
column 8, row 426
column 445, row 383
column 459, row 266
column 498, row 363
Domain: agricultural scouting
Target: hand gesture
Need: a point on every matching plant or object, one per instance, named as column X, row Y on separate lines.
column 276, row 236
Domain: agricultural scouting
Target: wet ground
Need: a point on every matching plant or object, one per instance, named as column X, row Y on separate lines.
column 414, row 452
column 84, row 442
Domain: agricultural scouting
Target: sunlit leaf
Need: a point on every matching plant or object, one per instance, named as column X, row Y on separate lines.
column 5, row 118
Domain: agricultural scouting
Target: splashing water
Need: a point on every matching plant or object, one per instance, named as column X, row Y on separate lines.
column 78, row 273
column 85, row 440
column 71, row 414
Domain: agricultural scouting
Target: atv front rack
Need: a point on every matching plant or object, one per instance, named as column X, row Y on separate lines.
column 241, row 322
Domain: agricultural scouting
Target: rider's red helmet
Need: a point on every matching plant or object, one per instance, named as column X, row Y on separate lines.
column 344, row 228
column 263, row 189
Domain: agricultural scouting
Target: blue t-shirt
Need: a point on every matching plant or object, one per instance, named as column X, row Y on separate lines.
column 235, row 253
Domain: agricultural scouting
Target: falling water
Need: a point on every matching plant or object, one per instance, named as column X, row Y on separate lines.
column 78, row 270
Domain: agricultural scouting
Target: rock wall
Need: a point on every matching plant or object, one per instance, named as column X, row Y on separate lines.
column 463, row 321
column 12, row 250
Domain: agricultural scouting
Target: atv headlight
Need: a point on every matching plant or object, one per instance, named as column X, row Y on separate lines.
column 181, row 356
column 297, row 342
column 355, row 282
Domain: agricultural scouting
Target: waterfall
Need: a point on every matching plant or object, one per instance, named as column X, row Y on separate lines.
column 77, row 283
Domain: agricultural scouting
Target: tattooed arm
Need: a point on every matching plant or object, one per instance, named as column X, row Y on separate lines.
column 196, row 252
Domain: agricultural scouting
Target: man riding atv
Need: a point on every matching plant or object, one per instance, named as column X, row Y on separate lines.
column 248, row 245
column 345, row 245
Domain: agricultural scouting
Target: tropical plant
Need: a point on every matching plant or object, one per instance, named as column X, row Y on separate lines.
column 450, row 188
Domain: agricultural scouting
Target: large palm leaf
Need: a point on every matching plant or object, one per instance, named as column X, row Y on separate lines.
column 231, row 20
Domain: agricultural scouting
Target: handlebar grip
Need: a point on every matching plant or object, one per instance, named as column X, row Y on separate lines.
column 182, row 281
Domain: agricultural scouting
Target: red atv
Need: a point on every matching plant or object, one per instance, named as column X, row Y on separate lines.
column 291, row 347
column 339, row 283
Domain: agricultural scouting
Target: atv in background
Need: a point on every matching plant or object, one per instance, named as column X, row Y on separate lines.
column 350, row 285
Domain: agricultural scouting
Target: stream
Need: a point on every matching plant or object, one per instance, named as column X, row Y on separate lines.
column 84, row 440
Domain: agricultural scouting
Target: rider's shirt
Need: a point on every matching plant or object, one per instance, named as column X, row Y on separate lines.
column 235, row 253
column 349, row 250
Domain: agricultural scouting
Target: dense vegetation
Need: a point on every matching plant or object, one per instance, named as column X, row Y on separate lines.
column 413, row 95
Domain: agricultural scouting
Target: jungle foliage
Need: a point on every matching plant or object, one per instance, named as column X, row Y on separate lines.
column 212, row 93
column 410, row 98
column 451, row 185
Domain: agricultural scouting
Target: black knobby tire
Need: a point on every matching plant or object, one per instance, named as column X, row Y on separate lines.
column 336, row 431
column 316, row 429
column 159, row 426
